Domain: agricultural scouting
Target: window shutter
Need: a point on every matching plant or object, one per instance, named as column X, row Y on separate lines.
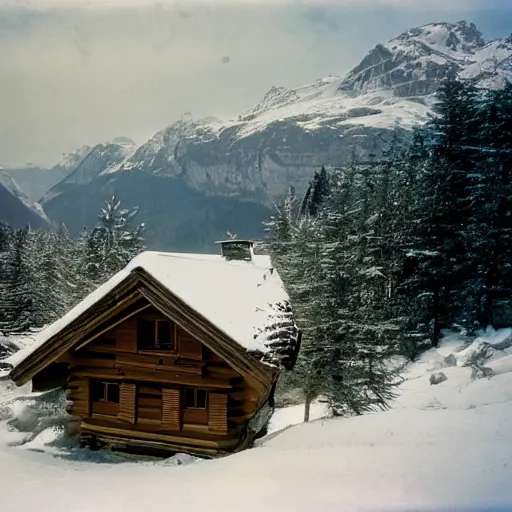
column 188, row 347
column 171, row 409
column 127, row 398
column 218, row 412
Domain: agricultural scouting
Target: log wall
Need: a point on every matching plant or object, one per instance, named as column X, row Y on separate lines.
column 152, row 385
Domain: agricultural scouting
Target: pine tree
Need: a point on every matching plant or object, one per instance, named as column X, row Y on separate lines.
column 342, row 356
column 79, row 259
column 6, row 238
column 440, row 255
column 54, row 278
column 279, row 231
column 492, row 203
column 20, row 303
column 413, row 290
column 303, row 283
column 317, row 191
column 112, row 243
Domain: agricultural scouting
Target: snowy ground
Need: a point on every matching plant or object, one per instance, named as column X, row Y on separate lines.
column 440, row 447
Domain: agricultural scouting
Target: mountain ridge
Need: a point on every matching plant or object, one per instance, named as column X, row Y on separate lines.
column 290, row 133
column 16, row 209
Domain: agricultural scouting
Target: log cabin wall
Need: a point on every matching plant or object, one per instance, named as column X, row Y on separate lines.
column 167, row 388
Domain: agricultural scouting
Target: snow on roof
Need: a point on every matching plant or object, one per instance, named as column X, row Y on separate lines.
column 235, row 296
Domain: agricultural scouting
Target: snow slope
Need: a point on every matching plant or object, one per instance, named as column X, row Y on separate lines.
column 440, row 447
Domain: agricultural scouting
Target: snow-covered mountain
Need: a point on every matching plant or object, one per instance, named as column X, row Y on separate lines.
column 70, row 161
column 15, row 208
column 290, row 133
column 86, row 164
column 413, row 63
column 35, row 181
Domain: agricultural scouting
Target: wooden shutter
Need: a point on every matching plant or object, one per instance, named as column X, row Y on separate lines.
column 127, row 399
column 126, row 336
column 171, row 409
column 188, row 346
column 218, row 412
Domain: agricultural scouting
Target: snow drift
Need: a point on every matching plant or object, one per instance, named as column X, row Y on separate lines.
column 440, row 447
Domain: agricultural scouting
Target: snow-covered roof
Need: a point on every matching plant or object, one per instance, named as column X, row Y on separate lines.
column 238, row 297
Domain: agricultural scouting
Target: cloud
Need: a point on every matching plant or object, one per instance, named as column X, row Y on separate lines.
column 85, row 73
column 79, row 77
column 181, row 4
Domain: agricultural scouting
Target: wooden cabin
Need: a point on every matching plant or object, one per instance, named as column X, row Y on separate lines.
column 175, row 353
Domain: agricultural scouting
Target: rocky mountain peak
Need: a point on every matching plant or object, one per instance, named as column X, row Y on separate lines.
column 279, row 97
column 458, row 37
column 70, row 161
column 414, row 63
column 275, row 97
column 122, row 141
column 96, row 160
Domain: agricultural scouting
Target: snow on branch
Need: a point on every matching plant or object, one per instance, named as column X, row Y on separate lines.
column 280, row 336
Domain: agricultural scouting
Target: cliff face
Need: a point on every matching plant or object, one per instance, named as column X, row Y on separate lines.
column 287, row 136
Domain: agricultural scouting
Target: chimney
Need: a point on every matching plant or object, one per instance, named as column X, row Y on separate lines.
column 241, row 250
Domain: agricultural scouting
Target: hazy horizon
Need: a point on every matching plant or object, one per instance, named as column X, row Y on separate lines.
column 84, row 75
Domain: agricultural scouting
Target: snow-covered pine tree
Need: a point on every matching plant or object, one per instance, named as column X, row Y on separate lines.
column 380, row 254
column 317, row 191
column 411, row 296
column 338, row 295
column 113, row 243
column 79, row 259
column 6, row 237
column 69, row 269
column 359, row 278
column 54, row 275
column 341, row 301
column 295, row 246
column 20, row 303
column 492, row 203
column 303, row 283
column 454, row 128
column 348, row 338
column 440, row 255
column 279, row 231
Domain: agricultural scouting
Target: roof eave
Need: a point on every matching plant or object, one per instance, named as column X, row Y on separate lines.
column 140, row 283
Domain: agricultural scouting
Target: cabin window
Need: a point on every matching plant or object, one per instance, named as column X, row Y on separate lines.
column 105, row 392
column 154, row 335
column 195, row 398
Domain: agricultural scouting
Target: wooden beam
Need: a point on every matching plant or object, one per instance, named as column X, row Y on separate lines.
column 111, row 326
column 119, row 298
column 163, row 438
column 141, row 284
column 122, row 442
column 200, row 328
column 136, row 361
column 166, row 377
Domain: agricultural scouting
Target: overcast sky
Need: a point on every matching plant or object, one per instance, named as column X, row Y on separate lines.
column 76, row 72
